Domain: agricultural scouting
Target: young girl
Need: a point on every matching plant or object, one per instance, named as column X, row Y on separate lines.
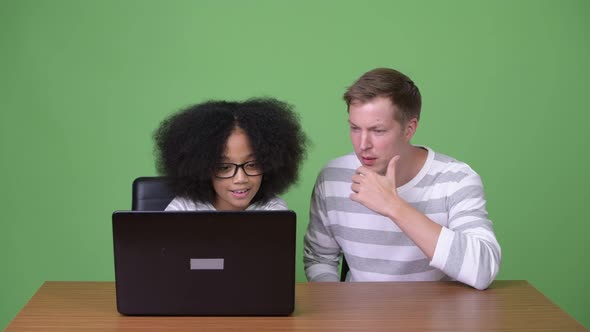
column 231, row 155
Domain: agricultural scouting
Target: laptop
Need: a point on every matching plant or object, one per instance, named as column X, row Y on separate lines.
column 205, row 262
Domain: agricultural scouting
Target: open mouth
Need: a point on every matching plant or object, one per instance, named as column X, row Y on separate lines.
column 240, row 193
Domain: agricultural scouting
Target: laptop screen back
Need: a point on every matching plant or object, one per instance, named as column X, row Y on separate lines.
column 204, row 263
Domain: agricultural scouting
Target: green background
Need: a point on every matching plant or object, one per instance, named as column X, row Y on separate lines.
column 83, row 84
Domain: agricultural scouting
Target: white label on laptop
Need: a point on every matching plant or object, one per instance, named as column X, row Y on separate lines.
column 207, row 263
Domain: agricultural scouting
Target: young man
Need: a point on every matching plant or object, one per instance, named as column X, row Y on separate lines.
column 397, row 212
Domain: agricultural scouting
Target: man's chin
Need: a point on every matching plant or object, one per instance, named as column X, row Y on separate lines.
column 375, row 168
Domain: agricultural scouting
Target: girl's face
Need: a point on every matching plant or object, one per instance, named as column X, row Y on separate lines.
column 236, row 193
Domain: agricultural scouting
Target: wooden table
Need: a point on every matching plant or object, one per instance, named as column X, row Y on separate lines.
column 400, row 306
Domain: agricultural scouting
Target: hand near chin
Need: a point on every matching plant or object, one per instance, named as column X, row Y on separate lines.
column 376, row 192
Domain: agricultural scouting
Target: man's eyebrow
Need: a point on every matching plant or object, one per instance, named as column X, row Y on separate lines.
column 380, row 126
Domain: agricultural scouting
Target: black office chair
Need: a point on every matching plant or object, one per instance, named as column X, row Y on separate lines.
column 151, row 193
column 344, row 269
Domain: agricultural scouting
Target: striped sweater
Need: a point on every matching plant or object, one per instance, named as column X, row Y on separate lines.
column 447, row 191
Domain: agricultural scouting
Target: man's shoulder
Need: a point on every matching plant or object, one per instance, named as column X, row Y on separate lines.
column 348, row 161
column 442, row 162
column 338, row 170
column 449, row 170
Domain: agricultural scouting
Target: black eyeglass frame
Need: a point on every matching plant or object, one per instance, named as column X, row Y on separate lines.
column 236, row 167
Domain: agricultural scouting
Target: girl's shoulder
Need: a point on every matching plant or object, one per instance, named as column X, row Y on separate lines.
column 185, row 204
column 275, row 203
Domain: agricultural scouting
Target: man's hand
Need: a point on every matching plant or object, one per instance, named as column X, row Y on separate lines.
column 379, row 193
column 376, row 192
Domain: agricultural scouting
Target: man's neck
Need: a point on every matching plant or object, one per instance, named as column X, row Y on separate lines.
column 410, row 165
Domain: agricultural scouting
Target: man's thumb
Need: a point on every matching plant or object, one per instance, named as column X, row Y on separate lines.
column 390, row 174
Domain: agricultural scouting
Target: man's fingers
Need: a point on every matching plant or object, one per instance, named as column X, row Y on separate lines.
column 363, row 171
column 357, row 178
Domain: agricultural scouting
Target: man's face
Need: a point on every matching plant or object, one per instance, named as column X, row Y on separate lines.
column 375, row 133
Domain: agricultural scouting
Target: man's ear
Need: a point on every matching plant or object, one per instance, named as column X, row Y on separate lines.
column 410, row 129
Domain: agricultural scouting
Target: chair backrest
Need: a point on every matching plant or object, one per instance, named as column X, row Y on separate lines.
column 344, row 269
column 151, row 193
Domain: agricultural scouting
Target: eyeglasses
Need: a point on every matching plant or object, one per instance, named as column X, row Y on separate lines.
column 229, row 170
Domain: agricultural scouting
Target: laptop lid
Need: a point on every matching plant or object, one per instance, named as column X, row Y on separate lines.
column 204, row 262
